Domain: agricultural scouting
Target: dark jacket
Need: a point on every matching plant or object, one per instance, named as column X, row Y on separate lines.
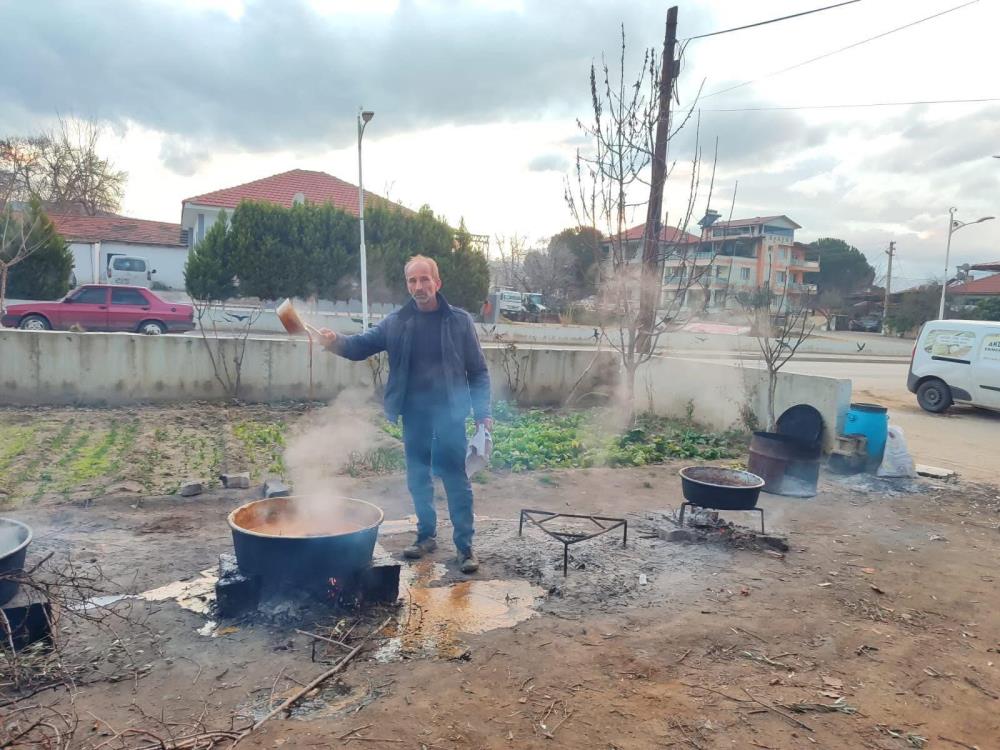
column 467, row 380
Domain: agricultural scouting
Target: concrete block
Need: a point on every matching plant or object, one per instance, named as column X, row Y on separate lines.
column 190, row 489
column 235, row 593
column 275, row 488
column 237, row 481
column 380, row 582
column 30, row 616
column 935, row 473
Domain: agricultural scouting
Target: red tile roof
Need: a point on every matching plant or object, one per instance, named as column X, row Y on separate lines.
column 317, row 187
column 667, row 234
column 117, row 229
column 988, row 285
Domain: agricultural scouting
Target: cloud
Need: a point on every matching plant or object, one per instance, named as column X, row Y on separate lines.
column 286, row 75
column 551, row 162
column 182, row 157
column 927, row 145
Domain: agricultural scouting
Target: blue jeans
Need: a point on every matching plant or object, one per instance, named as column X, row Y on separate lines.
column 435, row 438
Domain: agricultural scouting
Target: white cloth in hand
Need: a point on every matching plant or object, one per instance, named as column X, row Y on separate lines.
column 477, row 455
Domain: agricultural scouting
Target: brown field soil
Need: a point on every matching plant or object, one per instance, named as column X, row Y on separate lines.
column 879, row 628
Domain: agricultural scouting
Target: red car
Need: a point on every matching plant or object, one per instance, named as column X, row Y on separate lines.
column 103, row 307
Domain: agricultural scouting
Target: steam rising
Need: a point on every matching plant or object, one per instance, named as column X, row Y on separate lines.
column 321, row 446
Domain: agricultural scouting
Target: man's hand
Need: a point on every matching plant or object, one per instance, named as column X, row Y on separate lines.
column 327, row 337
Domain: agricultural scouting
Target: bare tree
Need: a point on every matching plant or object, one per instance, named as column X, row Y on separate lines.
column 780, row 328
column 63, row 168
column 550, row 272
column 507, row 267
column 829, row 303
column 626, row 116
column 226, row 353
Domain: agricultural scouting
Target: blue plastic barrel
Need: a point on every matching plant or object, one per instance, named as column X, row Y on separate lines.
column 872, row 421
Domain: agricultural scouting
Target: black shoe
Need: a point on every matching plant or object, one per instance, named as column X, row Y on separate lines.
column 420, row 548
column 468, row 562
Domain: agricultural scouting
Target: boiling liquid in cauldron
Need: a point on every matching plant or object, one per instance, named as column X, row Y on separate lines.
column 284, row 526
column 311, row 517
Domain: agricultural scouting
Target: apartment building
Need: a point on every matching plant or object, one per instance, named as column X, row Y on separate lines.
column 738, row 256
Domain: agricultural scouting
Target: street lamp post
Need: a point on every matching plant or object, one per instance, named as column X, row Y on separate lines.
column 953, row 226
column 363, row 119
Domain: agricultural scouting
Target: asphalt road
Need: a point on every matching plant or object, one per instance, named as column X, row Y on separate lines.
column 964, row 439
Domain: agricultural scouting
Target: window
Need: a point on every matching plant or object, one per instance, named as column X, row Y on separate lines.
column 782, row 276
column 128, row 264
column 201, row 227
column 744, row 274
column 718, row 271
column 90, row 296
column 128, row 297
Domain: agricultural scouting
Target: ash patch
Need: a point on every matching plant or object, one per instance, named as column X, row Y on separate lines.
column 602, row 574
column 869, row 484
column 702, row 525
column 334, row 700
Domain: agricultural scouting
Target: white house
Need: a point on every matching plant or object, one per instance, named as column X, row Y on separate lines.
column 93, row 239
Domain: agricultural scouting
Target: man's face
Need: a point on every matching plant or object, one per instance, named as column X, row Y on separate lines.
column 421, row 282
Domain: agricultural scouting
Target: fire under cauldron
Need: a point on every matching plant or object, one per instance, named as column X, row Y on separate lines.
column 716, row 488
column 290, row 540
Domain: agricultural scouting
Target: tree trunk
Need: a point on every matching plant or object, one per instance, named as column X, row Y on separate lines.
column 4, row 270
column 772, row 386
column 630, row 368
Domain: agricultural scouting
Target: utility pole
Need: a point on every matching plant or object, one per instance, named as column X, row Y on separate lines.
column 888, row 284
column 650, row 285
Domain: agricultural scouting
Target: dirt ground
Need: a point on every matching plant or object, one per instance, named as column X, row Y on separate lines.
column 881, row 622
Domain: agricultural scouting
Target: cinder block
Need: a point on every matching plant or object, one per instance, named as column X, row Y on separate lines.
column 235, row 593
column 30, row 616
column 275, row 488
column 237, row 481
column 190, row 489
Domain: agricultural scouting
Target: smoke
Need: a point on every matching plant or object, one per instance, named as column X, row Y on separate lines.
column 320, row 447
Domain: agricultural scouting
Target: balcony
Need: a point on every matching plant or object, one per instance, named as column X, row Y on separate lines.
column 802, row 288
column 810, row 266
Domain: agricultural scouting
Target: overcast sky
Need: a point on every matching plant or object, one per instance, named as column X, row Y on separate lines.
column 476, row 105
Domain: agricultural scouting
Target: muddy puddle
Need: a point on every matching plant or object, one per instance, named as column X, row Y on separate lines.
column 434, row 618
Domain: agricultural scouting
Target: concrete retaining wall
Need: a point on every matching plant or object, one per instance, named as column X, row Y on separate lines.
column 719, row 395
column 48, row 367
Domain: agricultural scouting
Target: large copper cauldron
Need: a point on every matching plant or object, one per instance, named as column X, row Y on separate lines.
column 290, row 539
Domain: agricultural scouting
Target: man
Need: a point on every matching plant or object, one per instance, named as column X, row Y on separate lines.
column 437, row 373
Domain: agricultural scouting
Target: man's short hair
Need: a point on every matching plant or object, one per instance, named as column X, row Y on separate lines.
column 429, row 261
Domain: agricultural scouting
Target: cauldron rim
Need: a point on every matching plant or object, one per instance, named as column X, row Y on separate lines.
column 22, row 545
column 242, row 530
column 755, row 486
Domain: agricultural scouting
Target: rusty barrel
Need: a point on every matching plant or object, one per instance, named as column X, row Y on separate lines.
column 787, row 464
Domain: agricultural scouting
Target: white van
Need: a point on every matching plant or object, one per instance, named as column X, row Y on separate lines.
column 956, row 360
column 129, row 270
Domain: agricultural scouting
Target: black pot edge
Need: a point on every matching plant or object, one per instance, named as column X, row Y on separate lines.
column 23, row 544
column 722, row 486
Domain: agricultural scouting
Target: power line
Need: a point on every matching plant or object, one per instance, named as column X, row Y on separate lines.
column 842, row 49
column 855, row 106
column 773, row 20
